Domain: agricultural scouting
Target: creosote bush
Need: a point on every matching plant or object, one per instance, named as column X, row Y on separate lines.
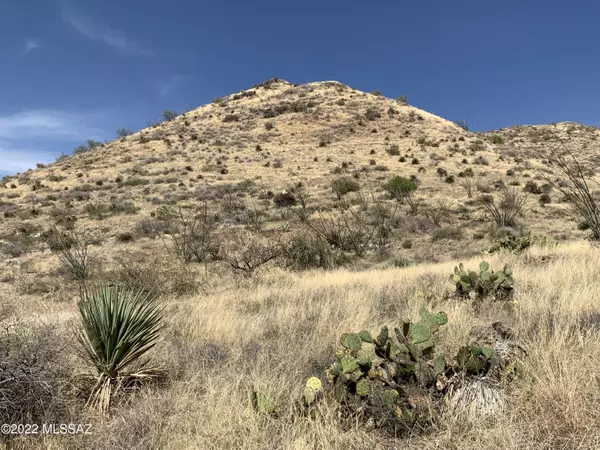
column 343, row 186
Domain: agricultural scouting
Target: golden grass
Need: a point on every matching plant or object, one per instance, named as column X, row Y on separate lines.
column 269, row 334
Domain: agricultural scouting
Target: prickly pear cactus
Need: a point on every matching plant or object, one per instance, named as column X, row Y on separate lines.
column 313, row 390
column 396, row 379
column 386, row 377
column 485, row 283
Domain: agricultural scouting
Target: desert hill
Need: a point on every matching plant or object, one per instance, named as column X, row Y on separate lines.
column 270, row 224
column 256, row 143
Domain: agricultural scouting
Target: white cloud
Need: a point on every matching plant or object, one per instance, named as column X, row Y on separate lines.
column 30, row 45
column 29, row 137
column 19, row 160
column 47, row 124
column 101, row 32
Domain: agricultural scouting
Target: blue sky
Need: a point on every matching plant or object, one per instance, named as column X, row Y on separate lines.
column 73, row 70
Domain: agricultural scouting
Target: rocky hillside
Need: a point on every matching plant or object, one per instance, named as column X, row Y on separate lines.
column 241, row 151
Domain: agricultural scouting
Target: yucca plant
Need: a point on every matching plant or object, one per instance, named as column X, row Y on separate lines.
column 119, row 326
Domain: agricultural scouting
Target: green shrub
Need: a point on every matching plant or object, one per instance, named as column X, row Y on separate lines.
column 400, row 187
column 308, row 252
column 343, row 186
column 496, row 139
column 169, row 116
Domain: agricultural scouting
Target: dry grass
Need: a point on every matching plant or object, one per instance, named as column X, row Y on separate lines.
column 272, row 332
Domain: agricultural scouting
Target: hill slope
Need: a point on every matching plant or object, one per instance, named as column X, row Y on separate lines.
column 239, row 151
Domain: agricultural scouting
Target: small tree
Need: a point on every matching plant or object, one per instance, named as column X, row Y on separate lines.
column 169, row 116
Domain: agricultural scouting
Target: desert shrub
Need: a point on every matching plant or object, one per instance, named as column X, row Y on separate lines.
column 544, row 200
column 118, row 328
column 21, row 242
column 356, row 229
column 34, row 376
column 496, row 139
column 576, row 191
column 372, row 113
column 450, row 233
column 250, row 254
column 393, row 150
column 398, row 381
column 231, row 118
column 169, row 116
column 89, row 145
column 484, row 283
column 343, row 186
column 192, row 232
column 304, row 252
column 97, row 210
column 468, row 172
column 462, row 124
column 153, row 273
column 72, row 250
column 532, row 187
column 124, row 132
column 437, row 213
column 481, row 160
column 125, row 236
column 441, row 172
column 400, row 188
column 284, row 199
column 467, row 184
column 505, row 211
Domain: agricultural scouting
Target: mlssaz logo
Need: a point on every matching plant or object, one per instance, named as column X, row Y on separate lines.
column 67, row 428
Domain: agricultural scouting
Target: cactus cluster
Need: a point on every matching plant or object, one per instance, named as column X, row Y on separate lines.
column 393, row 380
column 486, row 282
column 387, row 373
column 511, row 243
